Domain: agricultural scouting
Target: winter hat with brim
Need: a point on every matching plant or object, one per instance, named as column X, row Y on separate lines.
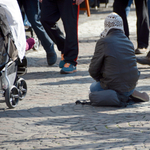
column 112, row 21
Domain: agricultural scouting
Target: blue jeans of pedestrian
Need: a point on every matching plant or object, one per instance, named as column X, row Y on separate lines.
column 128, row 7
column 97, row 87
column 26, row 21
column 32, row 10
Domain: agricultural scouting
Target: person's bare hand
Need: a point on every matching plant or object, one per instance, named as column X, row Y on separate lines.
column 40, row 1
column 78, row 2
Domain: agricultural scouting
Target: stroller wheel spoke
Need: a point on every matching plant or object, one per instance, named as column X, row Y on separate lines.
column 14, row 96
column 22, row 86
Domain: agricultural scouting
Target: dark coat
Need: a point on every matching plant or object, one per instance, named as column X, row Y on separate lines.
column 114, row 62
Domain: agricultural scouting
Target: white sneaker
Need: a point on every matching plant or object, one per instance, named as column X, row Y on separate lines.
column 141, row 95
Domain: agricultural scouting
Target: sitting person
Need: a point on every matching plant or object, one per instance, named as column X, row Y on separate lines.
column 113, row 65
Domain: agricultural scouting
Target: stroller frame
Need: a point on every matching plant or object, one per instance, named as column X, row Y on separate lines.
column 12, row 87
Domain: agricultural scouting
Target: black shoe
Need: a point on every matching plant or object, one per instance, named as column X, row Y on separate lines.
column 148, row 54
column 141, row 51
column 51, row 58
column 144, row 61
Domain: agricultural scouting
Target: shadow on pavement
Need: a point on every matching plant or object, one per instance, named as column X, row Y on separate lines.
column 41, row 62
column 101, row 125
column 52, row 74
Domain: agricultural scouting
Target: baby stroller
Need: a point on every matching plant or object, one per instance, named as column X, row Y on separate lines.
column 12, row 87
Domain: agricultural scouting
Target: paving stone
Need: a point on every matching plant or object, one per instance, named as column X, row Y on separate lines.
column 48, row 117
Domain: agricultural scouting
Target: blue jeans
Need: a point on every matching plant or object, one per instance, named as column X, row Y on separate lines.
column 97, row 87
column 128, row 7
column 26, row 21
column 32, row 10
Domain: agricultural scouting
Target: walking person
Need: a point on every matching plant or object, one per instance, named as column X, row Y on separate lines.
column 68, row 11
column 142, row 22
column 32, row 10
column 145, row 60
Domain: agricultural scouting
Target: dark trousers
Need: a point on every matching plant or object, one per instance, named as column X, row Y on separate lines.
column 51, row 12
column 142, row 20
column 32, row 10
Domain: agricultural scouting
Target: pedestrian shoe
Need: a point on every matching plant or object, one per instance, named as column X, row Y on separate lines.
column 51, row 58
column 143, row 96
column 68, row 68
column 141, row 51
column 62, row 62
column 143, row 61
column 148, row 54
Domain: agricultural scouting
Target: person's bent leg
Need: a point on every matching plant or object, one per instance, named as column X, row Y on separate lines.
column 49, row 17
column 143, row 29
column 127, row 94
column 32, row 10
column 95, row 86
column 142, row 24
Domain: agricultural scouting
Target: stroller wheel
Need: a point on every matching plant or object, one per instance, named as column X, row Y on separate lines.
column 12, row 96
column 22, row 87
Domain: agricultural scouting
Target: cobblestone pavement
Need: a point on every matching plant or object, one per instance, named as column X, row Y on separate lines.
column 48, row 117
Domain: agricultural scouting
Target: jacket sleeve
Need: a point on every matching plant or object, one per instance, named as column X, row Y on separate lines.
column 97, row 61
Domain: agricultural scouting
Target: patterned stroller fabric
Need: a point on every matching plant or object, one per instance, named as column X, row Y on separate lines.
column 5, row 34
column 12, row 11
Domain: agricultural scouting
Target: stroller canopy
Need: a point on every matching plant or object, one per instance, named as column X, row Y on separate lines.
column 15, row 21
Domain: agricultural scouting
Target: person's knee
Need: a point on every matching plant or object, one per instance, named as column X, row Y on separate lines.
column 95, row 86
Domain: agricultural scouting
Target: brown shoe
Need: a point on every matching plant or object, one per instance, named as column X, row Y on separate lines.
column 141, row 50
column 142, row 96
